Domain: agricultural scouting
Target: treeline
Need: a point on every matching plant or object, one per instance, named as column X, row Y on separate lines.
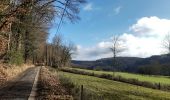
column 24, row 26
column 58, row 53
column 154, row 69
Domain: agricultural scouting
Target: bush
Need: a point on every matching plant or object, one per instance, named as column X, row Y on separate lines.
column 107, row 76
column 67, row 84
column 71, row 88
column 15, row 57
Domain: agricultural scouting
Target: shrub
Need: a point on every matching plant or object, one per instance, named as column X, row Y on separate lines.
column 107, row 76
column 71, row 88
column 15, row 57
column 67, row 84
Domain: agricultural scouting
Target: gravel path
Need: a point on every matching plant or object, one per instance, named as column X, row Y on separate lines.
column 21, row 88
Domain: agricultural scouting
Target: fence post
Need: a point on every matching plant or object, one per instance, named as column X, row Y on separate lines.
column 81, row 92
column 159, row 85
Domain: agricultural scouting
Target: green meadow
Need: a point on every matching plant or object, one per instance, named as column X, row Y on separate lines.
column 148, row 78
column 104, row 89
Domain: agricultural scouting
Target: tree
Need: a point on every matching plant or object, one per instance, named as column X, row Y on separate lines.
column 117, row 47
column 166, row 43
column 67, row 52
column 25, row 24
column 58, row 54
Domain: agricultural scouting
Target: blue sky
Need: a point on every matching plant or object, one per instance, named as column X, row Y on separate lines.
column 101, row 19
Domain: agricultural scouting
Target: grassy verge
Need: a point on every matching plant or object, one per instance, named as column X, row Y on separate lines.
column 50, row 88
column 103, row 89
column 111, row 76
column 9, row 72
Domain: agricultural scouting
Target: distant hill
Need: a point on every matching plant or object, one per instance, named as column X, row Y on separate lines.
column 128, row 64
column 106, row 63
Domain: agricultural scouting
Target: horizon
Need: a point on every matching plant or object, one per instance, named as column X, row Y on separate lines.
column 137, row 22
column 121, row 57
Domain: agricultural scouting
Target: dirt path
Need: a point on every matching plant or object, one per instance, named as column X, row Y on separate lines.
column 21, row 88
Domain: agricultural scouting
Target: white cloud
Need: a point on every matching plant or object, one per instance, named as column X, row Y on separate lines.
column 144, row 40
column 151, row 26
column 92, row 53
column 117, row 10
column 88, row 7
column 141, row 46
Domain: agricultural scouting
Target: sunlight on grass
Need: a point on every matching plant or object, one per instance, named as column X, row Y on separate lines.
column 148, row 78
column 116, row 90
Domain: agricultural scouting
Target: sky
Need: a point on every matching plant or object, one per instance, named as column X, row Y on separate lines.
column 141, row 24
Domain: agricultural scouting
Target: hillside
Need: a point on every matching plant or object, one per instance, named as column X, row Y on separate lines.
column 107, row 62
column 128, row 64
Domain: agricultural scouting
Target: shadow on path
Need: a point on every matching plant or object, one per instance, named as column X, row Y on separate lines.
column 21, row 88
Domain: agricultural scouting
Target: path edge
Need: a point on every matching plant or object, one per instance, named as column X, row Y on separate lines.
column 34, row 87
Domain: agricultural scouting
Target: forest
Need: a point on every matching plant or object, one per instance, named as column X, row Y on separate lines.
column 24, row 26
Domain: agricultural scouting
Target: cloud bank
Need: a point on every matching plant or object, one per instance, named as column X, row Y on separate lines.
column 143, row 40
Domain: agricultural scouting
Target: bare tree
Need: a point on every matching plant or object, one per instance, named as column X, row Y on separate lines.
column 58, row 54
column 25, row 23
column 166, row 43
column 116, row 48
column 67, row 52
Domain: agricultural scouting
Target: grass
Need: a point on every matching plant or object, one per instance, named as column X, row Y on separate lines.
column 109, row 90
column 148, row 78
column 9, row 72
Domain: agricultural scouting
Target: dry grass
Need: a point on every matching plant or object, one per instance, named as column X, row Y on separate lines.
column 8, row 72
column 3, row 45
column 49, row 87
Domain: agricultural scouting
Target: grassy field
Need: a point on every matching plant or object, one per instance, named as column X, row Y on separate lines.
column 148, row 78
column 112, row 90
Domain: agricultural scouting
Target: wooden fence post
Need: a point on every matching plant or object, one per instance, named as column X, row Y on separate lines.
column 81, row 92
column 159, row 85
